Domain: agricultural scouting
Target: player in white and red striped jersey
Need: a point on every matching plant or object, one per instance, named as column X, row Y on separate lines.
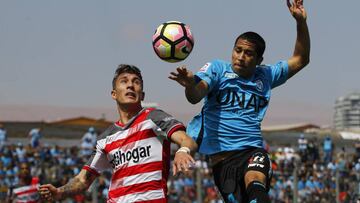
column 26, row 191
column 26, row 194
column 136, row 148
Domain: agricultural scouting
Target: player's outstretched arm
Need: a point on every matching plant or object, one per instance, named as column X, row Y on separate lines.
column 194, row 92
column 183, row 159
column 301, row 56
column 78, row 184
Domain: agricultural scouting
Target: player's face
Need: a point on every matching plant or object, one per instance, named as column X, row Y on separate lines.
column 128, row 89
column 244, row 58
column 24, row 170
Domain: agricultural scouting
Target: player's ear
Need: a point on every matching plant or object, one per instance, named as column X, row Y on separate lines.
column 142, row 96
column 113, row 94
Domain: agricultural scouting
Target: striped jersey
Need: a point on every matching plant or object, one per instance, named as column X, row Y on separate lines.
column 26, row 194
column 138, row 154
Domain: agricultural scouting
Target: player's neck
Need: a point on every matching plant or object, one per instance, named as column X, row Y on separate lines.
column 25, row 181
column 245, row 74
column 126, row 113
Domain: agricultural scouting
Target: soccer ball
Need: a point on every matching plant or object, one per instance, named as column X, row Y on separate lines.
column 173, row 41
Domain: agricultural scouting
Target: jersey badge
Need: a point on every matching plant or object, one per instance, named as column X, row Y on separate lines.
column 259, row 85
column 205, row 67
column 231, row 75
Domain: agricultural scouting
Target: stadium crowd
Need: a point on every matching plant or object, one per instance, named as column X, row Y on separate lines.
column 318, row 172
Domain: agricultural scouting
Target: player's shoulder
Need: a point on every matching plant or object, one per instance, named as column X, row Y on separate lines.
column 219, row 62
column 112, row 129
column 266, row 67
column 159, row 116
column 154, row 113
column 263, row 67
column 216, row 65
column 269, row 66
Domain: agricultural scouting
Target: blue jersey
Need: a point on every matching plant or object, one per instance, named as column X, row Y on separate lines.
column 234, row 107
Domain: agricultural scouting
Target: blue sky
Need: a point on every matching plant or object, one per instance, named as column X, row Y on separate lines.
column 57, row 58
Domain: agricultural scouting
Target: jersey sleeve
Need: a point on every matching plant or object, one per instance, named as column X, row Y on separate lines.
column 98, row 161
column 166, row 124
column 278, row 73
column 209, row 73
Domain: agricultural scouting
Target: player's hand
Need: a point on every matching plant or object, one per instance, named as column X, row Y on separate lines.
column 183, row 76
column 183, row 162
column 48, row 192
column 297, row 9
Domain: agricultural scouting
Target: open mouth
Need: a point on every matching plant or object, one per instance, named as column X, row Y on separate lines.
column 131, row 94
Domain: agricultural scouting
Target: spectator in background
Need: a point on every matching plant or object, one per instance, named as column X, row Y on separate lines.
column 26, row 191
column 3, row 137
column 319, row 186
column 35, row 135
column 302, row 144
column 90, row 136
column 313, row 150
column 88, row 142
column 357, row 148
column 328, row 149
column 3, row 185
column 20, row 152
column 301, row 186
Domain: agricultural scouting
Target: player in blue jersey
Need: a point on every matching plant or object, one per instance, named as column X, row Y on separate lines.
column 236, row 96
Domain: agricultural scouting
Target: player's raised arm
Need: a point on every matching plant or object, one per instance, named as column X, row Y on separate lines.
column 301, row 56
column 78, row 184
column 194, row 91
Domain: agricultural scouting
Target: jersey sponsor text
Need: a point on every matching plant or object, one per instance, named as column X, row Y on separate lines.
column 134, row 155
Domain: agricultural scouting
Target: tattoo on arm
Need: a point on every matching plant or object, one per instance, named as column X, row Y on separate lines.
column 77, row 185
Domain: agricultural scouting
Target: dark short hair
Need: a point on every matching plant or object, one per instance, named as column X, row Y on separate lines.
column 126, row 68
column 254, row 38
